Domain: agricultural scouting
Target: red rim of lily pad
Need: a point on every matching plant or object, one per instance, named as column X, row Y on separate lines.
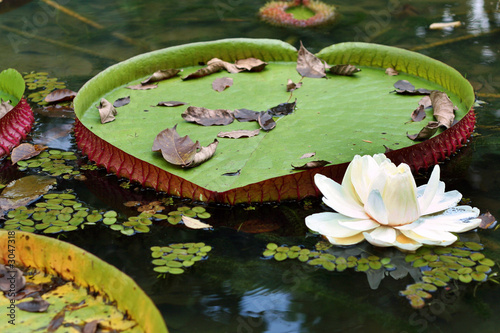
column 15, row 126
column 294, row 186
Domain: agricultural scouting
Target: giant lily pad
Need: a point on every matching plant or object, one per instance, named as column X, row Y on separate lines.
column 336, row 117
column 15, row 124
column 84, row 269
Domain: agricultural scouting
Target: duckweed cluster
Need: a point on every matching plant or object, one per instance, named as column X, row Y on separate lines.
column 41, row 85
column 175, row 258
column 54, row 162
column 460, row 261
column 134, row 224
column 175, row 216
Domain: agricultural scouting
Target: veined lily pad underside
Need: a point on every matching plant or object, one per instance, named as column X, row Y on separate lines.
column 336, row 118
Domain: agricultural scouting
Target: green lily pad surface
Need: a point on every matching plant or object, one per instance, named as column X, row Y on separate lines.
column 336, row 117
column 11, row 86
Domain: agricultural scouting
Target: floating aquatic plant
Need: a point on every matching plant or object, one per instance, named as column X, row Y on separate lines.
column 41, row 85
column 175, row 258
column 54, row 162
column 297, row 13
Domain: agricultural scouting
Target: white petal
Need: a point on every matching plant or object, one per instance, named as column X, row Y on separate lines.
column 336, row 198
column 364, row 171
column 355, row 239
column 430, row 190
column 360, row 225
column 443, row 201
column 407, row 244
column 456, row 219
column 347, row 185
column 375, row 207
column 431, row 237
column 328, row 225
column 381, row 236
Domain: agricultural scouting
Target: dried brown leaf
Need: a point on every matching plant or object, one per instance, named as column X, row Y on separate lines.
column 35, row 305
column 290, row 86
column 57, row 321
column 311, row 165
column 193, row 223
column 60, row 95
column 106, row 111
column 425, row 133
column 222, row 83
column 231, row 68
column 239, row 134
column 488, row 221
column 174, row 149
column 56, row 111
column 404, row 87
column 307, row 155
column 121, row 102
column 245, row 115
column 5, row 107
column 160, row 75
column 90, row 327
column 309, row 65
column 418, row 114
column 203, row 155
column 444, row 110
column 266, row 121
column 210, row 69
column 7, row 283
column 207, row 117
column 23, row 191
column 391, row 71
column 171, row 103
column 282, row 109
column 25, row 151
column 251, row 64
column 346, row 70
column 143, row 86
column 425, row 102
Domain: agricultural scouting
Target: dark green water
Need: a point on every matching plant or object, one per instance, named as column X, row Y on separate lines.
column 236, row 290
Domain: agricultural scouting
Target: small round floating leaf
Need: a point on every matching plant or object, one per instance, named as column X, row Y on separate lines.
column 171, row 256
column 81, row 213
column 434, row 264
column 162, row 269
column 465, row 278
column 177, row 246
column 159, row 262
column 141, row 228
column 145, row 221
column 166, row 249
column 352, row 264
column 487, row 262
column 111, row 213
column 416, row 302
column 452, row 274
column 206, row 248
column 421, row 262
column 373, row 258
column 295, row 248
column 76, row 221
column 175, row 213
column 375, row 264
column 94, row 217
column 42, row 226
column 53, row 230
column 341, row 261
column 460, row 252
column 477, row 276
column 280, row 256
column 328, row 265
column 317, row 261
column 183, row 208
column 466, row 262
column 203, row 254
column 173, row 263
column 128, row 232
column 423, row 251
column 362, row 267
column 187, row 263
column 268, row 253
column 303, row 257
column 327, row 256
column 313, row 254
column 474, row 246
column 11, row 226
column 156, row 254
column 69, row 228
column 464, row 270
column 304, row 252
column 174, row 219
column 64, row 217
column 12, row 221
column 197, row 258
column 160, row 216
column 446, row 258
column 429, row 287
column 27, row 228
column 201, row 244
column 198, row 209
column 476, row 256
column 385, row 261
column 176, row 270
column 423, row 294
column 431, row 257
column 27, row 222
column 185, row 257
column 411, row 257
column 49, row 219
column 453, row 265
column 362, row 261
column 293, row 254
column 283, row 249
column 483, row 269
column 193, row 250
column 341, row 267
column 109, row 220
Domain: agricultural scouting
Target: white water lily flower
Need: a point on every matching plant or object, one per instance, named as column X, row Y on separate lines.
column 380, row 202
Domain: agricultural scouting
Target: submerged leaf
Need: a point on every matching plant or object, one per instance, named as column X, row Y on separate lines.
column 239, row 134
column 23, row 191
column 121, row 102
column 5, row 107
column 266, row 121
column 171, row 103
column 60, row 95
column 207, row 117
column 346, row 70
column 222, row 83
column 25, row 151
column 311, row 165
column 251, row 64
column 174, row 149
column 160, row 75
column 193, row 223
column 309, row 65
column 245, row 115
column 425, row 133
column 106, row 111
column 444, row 110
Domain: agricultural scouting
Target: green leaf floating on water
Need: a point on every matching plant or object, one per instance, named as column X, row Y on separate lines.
column 11, row 86
column 336, row 117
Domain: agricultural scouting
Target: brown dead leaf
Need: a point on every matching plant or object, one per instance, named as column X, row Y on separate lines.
column 418, row 114
column 425, row 133
column 404, row 87
column 307, row 155
column 23, row 191
column 346, row 70
column 106, row 111
column 391, row 71
column 425, row 102
column 251, row 64
column 143, row 86
column 35, row 305
column 25, row 151
column 57, row 321
column 207, row 117
column 90, row 327
column 309, row 65
column 290, row 86
column 174, row 149
column 5, row 107
column 282, row 109
column 488, row 221
column 311, row 165
column 60, row 95
column 210, row 69
column 245, row 115
column 239, row 134
column 171, row 103
column 160, row 75
column 266, row 121
column 121, row 102
column 222, row 83
column 231, row 68
column 193, row 223
column 203, row 155
column 6, row 283
column 444, row 110
column 232, row 174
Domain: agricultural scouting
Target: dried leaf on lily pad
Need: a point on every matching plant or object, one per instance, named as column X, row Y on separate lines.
column 6, row 283
column 60, row 95
column 204, row 154
column 57, row 321
column 425, row 133
column 209, row 69
column 171, row 103
column 90, row 327
column 193, row 223
column 282, row 109
column 222, row 83
column 23, row 191
column 239, row 134
column 5, row 107
column 251, row 64
column 307, row 155
column 121, row 102
column 309, row 65
column 488, row 221
column 266, row 121
column 231, row 68
column 245, row 115
column 418, row 114
column 444, row 110
column 25, row 151
column 346, row 70
column 143, row 86
column 290, row 86
column 35, row 305
column 207, row 117
column 311, row 165
column 391, row 71
column 174, row 149
column 160, row 75
column 425, row 102
column 107, row 111
column 404, row 87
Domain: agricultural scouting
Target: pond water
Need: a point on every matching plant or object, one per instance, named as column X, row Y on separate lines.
column 236, row 289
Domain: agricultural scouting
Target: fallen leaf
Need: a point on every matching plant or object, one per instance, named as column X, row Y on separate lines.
column 311, row 165
column 425, row 133
column 207, row 117
column 309, row 65
column 5, row 107
column 121, row 102
column 488, row 221
column 231, row 68
column 232, row 174
column 418, row 114
column 443, row 25
column 35, row 305
column 160, row 75
column 425, row 102
column 143, row 86
column 60, row 95
column 266, row 121
column 290, row 86
column 444, row 110
column 23, row 191
column 106, row 111
column 7, row 283
column 203, row 155
column 90, row 327
column 25, row 151
column 307, row 155
column 222, row 83
column 346, row 70
column 57, row 321
column 174, row 149
column 245, row 115
column 239, row 134
column 251, row 64
column 171, row 103
column 193, row 223
column 209, row 69
column 404, row 87
column 391, row 71
column 282, row 109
